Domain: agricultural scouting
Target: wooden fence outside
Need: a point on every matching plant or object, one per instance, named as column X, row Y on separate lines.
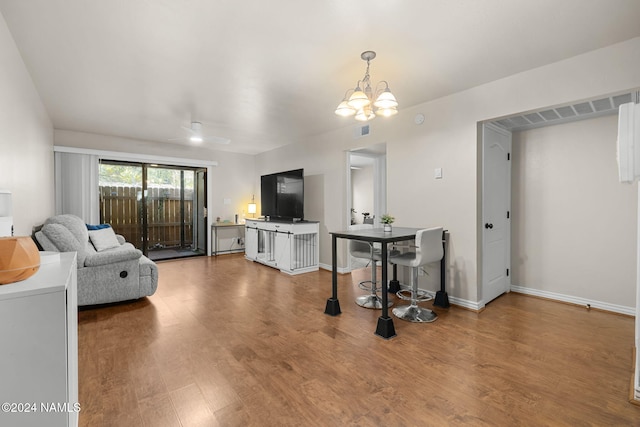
column 121, row 206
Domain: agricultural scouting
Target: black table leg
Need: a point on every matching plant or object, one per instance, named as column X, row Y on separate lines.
column 442, row 299
column 394, row 284
column 333, row 305
column 385, row 328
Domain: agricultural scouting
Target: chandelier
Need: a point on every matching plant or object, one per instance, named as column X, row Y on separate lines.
column 363, row 102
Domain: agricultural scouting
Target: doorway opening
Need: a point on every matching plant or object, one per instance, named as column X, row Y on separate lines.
column 160, row 209
column 366, row 189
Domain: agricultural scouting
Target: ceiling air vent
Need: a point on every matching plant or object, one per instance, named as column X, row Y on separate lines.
column 578, row 110
column 505, row 123
column 566, row 112
column 549, row 115
column 519, row 121
column 361, row 131
column 621, row 99
column 583, row 108
column 534, row 118
column 602, row 104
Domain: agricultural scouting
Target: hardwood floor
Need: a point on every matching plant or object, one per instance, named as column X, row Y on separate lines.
column 226, row 342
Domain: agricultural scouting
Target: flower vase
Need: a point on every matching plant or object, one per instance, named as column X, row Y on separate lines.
column 387, row 228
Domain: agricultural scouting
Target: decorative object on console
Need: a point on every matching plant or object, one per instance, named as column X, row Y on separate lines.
column 19, row 259
column 252, row 208
column 387, row 220
column 361, row 99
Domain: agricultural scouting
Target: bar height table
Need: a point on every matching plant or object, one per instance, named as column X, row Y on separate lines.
column 385, row 328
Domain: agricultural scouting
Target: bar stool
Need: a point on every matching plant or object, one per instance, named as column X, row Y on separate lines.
column 428, row 250
column 366, row 250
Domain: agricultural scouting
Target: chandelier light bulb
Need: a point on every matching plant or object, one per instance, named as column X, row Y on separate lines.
column 365, row 114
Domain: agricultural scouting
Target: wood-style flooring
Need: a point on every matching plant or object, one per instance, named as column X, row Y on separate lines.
column 227, row 342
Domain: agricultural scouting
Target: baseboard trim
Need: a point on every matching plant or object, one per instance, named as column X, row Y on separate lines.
column 583, row 302
column 466, row 304
column 341, row 270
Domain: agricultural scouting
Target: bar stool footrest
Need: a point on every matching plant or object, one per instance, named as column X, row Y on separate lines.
column 366, row 285
column 422, row 295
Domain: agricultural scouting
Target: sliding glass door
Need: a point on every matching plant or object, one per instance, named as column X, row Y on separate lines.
column 160, row 209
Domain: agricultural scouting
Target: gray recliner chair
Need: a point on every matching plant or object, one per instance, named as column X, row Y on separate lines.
column 118, row 272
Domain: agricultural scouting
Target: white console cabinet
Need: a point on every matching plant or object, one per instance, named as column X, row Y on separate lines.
column 291, row 247
column 39, row 350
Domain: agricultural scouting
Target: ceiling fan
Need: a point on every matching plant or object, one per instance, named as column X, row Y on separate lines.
column 194, row 134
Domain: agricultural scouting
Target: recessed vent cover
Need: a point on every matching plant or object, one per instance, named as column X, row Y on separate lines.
column 565, row 113
column 534, row 118
column 549, row 115
column 602, row 104
column 361, row 131
column 621, row 99
column 583, row 108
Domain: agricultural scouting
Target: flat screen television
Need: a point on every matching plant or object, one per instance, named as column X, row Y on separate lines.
column 282, row 195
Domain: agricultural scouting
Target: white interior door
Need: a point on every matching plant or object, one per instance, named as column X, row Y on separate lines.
column 496, row 206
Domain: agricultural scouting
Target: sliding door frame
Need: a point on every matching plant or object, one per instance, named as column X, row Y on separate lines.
column 147, row 158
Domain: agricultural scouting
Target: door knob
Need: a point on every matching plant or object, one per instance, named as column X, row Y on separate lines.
column 488, row 225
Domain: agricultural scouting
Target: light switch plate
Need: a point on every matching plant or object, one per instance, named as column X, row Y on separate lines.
column 437, row 173
column 227, row 201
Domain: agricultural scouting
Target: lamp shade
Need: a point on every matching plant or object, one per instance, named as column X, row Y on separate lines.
column 252, row 208
column 19, row 259
column 386, row 100
column 358, row 99
column 344, row 110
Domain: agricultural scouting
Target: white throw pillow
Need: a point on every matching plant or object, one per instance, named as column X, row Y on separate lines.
column 103, row 239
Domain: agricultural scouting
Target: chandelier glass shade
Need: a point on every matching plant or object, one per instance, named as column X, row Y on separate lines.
column 365, row 104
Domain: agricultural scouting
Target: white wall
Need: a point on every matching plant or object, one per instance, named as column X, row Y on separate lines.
column 448, row 139
column 573, row 224
column 26, row 141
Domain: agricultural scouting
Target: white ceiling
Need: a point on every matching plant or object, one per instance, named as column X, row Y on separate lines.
column 270, row 73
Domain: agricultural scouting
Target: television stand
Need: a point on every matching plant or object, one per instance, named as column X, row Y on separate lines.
column 291, row 247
